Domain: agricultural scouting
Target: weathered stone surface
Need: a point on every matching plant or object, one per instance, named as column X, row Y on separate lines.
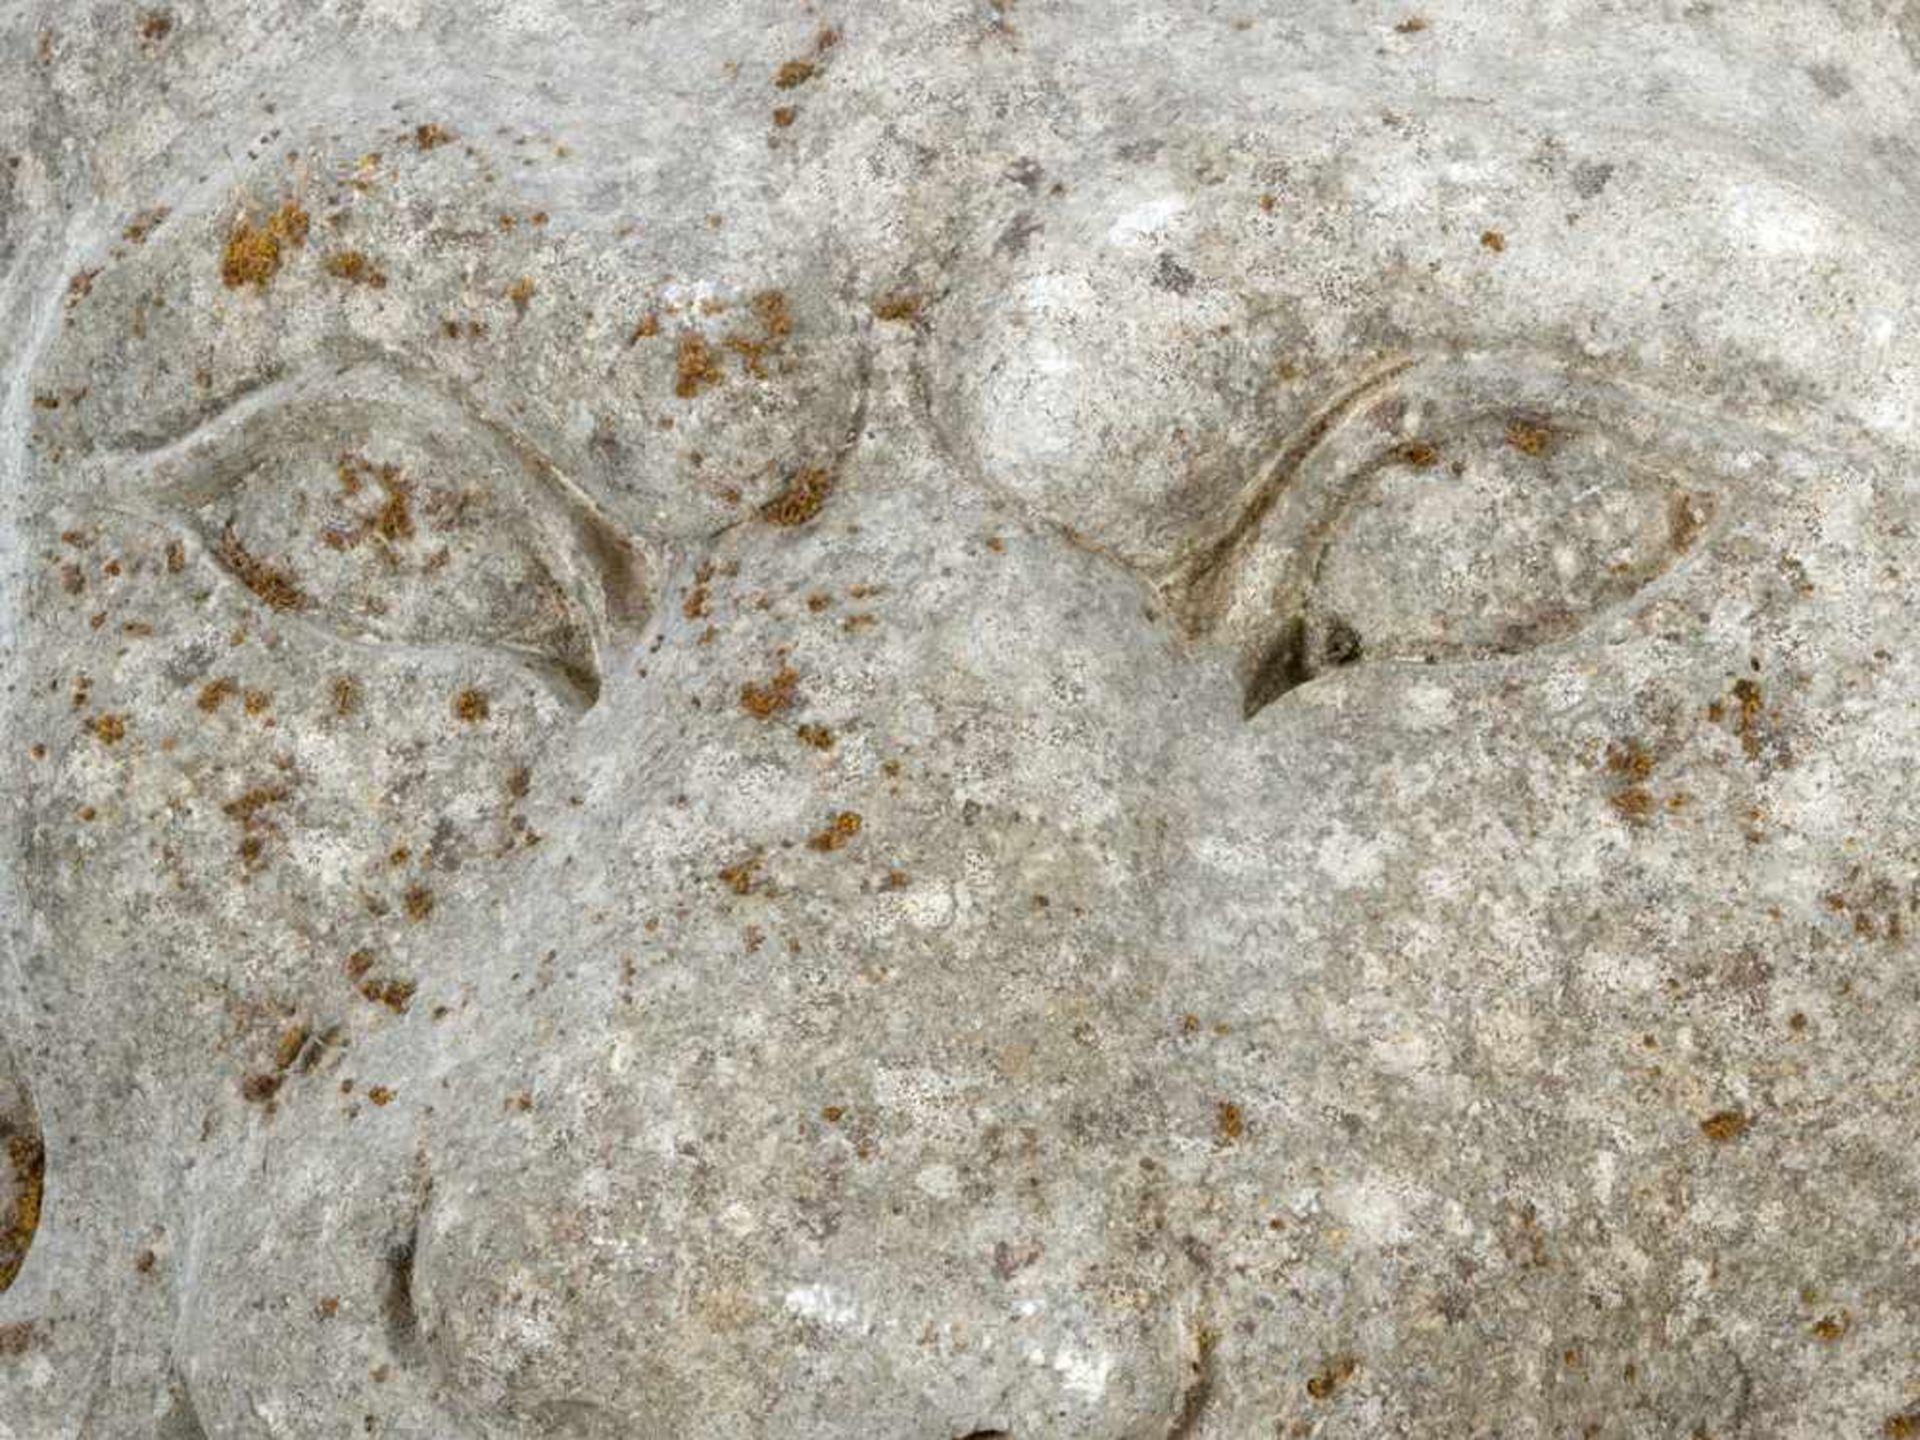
column 938, row 720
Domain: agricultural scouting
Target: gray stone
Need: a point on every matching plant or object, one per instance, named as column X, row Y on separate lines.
column 969, row 719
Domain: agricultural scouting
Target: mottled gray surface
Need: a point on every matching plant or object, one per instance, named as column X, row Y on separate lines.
column 960, row 718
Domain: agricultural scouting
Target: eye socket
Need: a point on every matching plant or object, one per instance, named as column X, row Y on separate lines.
column 371, row 504
column 1450, row 513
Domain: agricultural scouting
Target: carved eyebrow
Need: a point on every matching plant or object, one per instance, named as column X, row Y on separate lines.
column 1195, row 577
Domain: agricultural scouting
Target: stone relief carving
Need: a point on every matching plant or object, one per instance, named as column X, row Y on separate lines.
column 958, row 721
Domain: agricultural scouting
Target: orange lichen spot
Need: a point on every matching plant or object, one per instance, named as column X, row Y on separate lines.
column 1337, row 1371
column 647, row 327
column 396, row 995
column 765, row 701
column 251, row 257
column 1418, row 454
column 1229, row 1122
column 418, row 902
column 800, row 499
column 80, row 286
column 1269, row 201
column 430, row 135
column 355, row 268
column 1493, row 240
column 176, row 557
column 1746, row 722
column 292, row 1041
column 272, row 583
column 841, row 829
column 109, row 729
column 289, row 223
column 770, row 309
column 358, row 963
column 741, row 876
column 1629, row 758
column 1901, row 1427
column 258, row 1089
column 145, row 1261
column 1725, row 1126
column 832, row 1113
column 895, row 880
column 784, row 115
column 792, row 74
column 326, row 1307
column 902, row 306
column 818, row 736
column 520, row 292
column 155, row 25
column 471, row 705
column 1529, row 438
column 694, row 607
column 1832, row 1328
column 380, row 1094
column 256, row 702
column 249, row 805
column 1412, row 25
column 819, row 600
column 696, row 366
column 1634, row 804
column 214, row 693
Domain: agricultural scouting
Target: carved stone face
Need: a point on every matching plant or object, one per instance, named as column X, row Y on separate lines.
column 961, row 720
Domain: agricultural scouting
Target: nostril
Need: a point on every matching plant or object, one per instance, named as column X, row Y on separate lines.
column 986, row 1435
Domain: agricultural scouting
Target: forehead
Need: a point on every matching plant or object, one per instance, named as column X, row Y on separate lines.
column 615, row 234
column 536, row 196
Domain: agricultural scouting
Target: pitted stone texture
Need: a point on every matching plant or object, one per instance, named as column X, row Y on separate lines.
column 953, row 721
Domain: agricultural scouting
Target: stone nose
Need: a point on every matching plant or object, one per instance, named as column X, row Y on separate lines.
column 608, row 1267
column 530, row 1320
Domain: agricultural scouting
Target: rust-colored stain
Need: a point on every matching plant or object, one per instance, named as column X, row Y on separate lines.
column 840, row 830
column 1725, row 1126
column 765, row 701
column 800, row 499
column 1337, row 1371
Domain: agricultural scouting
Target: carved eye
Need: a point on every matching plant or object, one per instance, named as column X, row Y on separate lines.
column 1438, row 517
column 371, row 504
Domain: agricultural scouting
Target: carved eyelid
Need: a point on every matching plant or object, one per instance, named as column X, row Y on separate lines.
column 1258, row 583
column 598, row 568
